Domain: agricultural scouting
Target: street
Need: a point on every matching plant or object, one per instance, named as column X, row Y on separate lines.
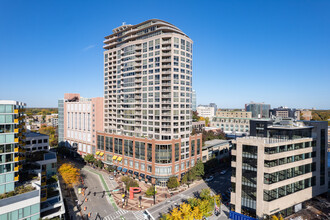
column 219, row 184
column 107, row 209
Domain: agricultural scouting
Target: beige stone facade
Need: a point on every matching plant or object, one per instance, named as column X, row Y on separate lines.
column 274, row 175
column 232, row 121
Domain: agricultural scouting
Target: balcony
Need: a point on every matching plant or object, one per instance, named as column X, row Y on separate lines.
column 16, row 150
column 16, row 111
column 16, row 159
column 17, row 178
column 16, row 130
column 16, row 169
column 16, row 121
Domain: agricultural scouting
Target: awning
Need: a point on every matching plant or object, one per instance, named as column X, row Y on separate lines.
column 119, row 168
column 101, row 154
column 114, row 157
column 142, row 175
column 148, row 177
column 119, row 159
column 136, row 173
column 130, row 171
column 124, row 170
column 97, row 152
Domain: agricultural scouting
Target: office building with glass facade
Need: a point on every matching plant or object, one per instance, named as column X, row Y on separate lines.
column 276, row 173
column 148, row 101
column 259, row 110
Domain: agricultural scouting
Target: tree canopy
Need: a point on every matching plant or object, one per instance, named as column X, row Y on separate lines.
column 173, row 182
column 70, row 174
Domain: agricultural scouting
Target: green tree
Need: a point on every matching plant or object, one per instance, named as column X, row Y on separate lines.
column 173, row 182
column 89, row 158
column 207, row 121
column 151, row 191
column 199, row 168
column 129, row 182
column 99, row 164
column 184, row 179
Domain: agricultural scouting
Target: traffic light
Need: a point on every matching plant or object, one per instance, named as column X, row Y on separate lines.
column 94, row 193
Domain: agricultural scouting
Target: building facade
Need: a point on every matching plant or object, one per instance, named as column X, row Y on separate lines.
column 216, row 148
column 194, row 100
column 231, row 122
column 36, row 142
column 11, row 140
column 148, row 101
column 259, row 110
column 275, row 174
column 82, row 117
column 206, row 111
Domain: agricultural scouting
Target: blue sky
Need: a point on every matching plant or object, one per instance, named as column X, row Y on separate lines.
column 276, row 52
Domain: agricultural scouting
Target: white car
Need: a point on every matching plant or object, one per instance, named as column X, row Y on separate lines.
column 210, row 178
column 111, row 177
column 223, row 172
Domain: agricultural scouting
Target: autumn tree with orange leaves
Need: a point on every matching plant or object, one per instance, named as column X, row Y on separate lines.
column 70, row 174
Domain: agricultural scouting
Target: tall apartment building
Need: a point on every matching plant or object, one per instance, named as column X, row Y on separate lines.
column 275, row 173
column 259, row 110
column 81, row 117
column 148, row 101
column 194, row 100
column 25, row 205
column 11, row 140
column 237, row 122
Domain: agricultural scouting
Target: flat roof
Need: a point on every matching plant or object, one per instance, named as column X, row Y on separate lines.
column 215, row 141
column 35, row 134
column 18, row 198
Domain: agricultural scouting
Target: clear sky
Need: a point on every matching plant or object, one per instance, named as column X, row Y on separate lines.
column 277, row 52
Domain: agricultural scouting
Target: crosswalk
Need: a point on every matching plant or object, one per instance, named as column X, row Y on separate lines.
column 138, row 215
column 115, row 215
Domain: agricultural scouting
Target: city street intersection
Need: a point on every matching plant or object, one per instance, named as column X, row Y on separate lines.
column 104, row 207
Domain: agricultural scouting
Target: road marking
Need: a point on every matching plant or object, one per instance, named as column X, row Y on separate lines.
column 105, row 187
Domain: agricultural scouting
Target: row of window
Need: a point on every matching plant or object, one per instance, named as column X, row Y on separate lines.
column 270, row 178
column 270, row 195
column 291, row 159
column 289, row 147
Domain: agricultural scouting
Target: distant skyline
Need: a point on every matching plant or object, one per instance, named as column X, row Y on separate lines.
column 277, row 52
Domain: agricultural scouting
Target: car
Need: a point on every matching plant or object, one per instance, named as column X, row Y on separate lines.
column 223, row 172
column 111, row 177
column 210, row 178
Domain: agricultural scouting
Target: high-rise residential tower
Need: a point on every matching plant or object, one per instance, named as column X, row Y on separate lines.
column 148, row 101
column 11, row 138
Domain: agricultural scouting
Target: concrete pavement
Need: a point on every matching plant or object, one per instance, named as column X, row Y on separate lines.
column 99, row 181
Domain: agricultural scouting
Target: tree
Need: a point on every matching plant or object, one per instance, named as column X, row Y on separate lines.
column 51, row 132
column 89, row 158
column 205, row 194
column 173, row 182
column 151, row 191
column 186, row 211
column 195, row 116
column 199, row 168
column 129, row 182
column 207, row 121
column 196, row 213
column 70, row 174
column 99, row 164
column 274, row 217
column 184, row 179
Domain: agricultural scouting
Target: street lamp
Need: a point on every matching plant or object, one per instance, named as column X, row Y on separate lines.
column 154, row 194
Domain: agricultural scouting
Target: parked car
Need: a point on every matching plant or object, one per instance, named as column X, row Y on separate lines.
column 223, row 172
column 111, row 177
column 210, row 178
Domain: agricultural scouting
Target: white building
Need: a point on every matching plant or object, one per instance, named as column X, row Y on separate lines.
column 206, row 112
